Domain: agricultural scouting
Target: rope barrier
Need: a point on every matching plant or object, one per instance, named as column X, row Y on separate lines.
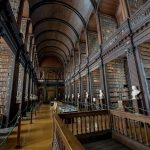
column 16, row 117
column 7, row 135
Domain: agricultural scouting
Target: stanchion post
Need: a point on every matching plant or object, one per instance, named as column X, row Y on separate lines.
column 18, row 146
column 35, row 110
column 31, row 116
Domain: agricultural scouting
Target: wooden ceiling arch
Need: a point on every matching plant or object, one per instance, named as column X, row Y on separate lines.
column 58, row 24
column 54, row 44
column 57, row 31
column 50, row 49
column 51, row 53
column 58, row 2
column 49, row 40
column 56, row 20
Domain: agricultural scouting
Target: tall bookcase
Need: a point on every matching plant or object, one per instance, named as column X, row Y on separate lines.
column 116, row 76
column 95, row 78
column 134, row 5
column 109, row 25
column 83, row 87
column 77, row 88
column 93, row 43
column 145, row 55
column 6, row 74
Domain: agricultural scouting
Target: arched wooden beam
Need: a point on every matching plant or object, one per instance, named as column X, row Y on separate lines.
column 57, row 31
column 50, row 50
column 58, row 2
column 55, row 54
column 56, row 20
column 49, row 40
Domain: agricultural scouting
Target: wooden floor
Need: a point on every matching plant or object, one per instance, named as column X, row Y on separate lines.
column 36, row 136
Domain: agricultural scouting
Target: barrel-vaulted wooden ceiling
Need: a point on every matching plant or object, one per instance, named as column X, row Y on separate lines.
column 57, row 25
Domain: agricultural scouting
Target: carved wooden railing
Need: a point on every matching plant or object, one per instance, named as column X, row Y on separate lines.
column 141, row 17
column 84, row 62
column 122, row 32
column 133, row 126
column 94, row 55
column 63, row 139
column 86, row 122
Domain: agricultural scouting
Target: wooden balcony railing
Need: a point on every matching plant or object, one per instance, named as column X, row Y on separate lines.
column 86, row 122
column 122, row 32
column 141, row 17
column 63, row 139
column 133, row 126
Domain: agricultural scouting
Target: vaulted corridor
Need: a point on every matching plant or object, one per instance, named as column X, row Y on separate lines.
column 86, row 63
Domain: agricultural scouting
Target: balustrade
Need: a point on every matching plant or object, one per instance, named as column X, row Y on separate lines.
column 141, row 17
column 133, row 126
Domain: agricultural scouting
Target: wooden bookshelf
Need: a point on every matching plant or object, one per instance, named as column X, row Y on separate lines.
column 77, row 88
column 95, row 80
column 93, row 43
column 6, row 66
column 108, row 25
column 145, row 55
column 83, row 87
column 117, row 83
column 134, row 5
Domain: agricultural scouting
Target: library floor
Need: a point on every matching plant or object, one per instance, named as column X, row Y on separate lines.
column 36, row 136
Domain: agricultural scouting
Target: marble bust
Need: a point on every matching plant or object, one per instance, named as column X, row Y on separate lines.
column 135, row 92
column 100, row 94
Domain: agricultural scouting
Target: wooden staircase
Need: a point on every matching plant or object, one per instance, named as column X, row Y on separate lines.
column 108, row 144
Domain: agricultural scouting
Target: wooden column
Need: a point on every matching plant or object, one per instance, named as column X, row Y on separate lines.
column 15, row 107
column 88, row 74
column 24, row 89
column 20, row 13
column 102, row 65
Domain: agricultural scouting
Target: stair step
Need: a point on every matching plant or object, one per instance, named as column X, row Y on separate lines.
column 108, row 144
